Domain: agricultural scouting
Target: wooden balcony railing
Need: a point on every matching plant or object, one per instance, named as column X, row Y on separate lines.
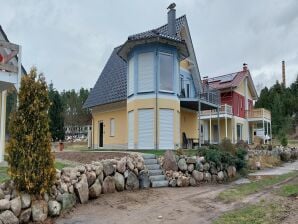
column 259, row 113
column 224, row 109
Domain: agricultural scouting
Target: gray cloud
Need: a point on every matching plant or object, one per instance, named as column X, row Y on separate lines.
column 70, row 41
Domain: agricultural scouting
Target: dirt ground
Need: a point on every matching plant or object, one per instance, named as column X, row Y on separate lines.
column 170, row 205
column 88, row 157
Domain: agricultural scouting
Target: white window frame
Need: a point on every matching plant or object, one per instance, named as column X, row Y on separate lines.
column 112, row 127
column 166, row 90
column 146, row 78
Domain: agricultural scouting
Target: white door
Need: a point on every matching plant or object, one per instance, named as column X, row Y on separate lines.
column 146, row 129
column 166, row 129
column 131, row 130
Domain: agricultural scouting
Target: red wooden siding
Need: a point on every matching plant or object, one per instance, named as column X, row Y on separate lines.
column 237, row 101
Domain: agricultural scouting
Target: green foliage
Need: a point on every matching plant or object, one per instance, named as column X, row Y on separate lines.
column 260, row 213
column 283, row 104
column 228, row 146
column 240, row 191
column 283, row 139
column 241, row 162
column 217, row 156
column 31, row 163
column 74, row 113
column 290, row 190
column 56, row 115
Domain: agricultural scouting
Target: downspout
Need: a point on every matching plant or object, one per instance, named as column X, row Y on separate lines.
column 156, row 101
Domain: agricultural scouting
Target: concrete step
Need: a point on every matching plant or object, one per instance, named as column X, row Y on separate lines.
column 149, row 156
column 153, row 167
column 160, row 183
column 157, row 177
column 150, row 161
column 155, row 172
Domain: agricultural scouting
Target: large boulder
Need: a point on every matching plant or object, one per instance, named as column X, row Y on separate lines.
column 67, row 200
column 191, row 160
column 132, row 182
column 81, row 189
column 169, row 162
column 16, row 206
column 2, row 195
column 172, row 183
column 26, row 200
column 91, row 177
column 25, row 215
column 95, row 190
column 7, row 217
column 39, row 210
column 207, row 177
column 220, row 176
column 108, row 185
column 183, row 181
column 198, row 176
column 121, row 165
column 231, row 170
column 4, row 204
column 182, row 164
column 119, row 181
column 54, row 208
column 206, row 167
column 144, row 179
column 190, row 167
column 199, row 166
column 192, row 182
column 108, row 167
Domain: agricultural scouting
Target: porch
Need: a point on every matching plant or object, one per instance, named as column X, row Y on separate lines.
column 207, row 100
column 10, row 77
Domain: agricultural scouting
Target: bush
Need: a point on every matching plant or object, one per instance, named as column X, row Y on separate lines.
column 241, row 162
column 284, row 141
column 217, row 156
column 227, row 146
column 31, row 163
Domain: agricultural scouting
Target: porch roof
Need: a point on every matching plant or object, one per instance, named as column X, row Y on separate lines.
column 193, row 104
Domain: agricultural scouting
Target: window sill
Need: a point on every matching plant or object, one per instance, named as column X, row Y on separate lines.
column 146, row 92
column 166, row 91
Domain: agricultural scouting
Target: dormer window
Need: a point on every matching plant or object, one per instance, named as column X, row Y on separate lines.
column 166, row 72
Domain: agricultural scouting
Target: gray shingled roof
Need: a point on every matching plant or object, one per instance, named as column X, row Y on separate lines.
column 111, row 84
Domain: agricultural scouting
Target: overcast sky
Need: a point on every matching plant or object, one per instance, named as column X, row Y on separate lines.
column 71, row 40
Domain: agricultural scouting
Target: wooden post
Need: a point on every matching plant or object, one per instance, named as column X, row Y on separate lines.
column 2, row 125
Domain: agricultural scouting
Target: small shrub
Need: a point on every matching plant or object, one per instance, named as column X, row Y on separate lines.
column 284, row 141
column 242, row 144
column 241, row 162
column 227, row 146
column 31, row 163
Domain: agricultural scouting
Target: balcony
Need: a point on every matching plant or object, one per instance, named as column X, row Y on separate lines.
column 209, row 99
column 224, row 111
column 258, row 114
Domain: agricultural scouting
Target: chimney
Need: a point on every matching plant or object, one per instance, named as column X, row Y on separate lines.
column 283, row 73
column 172, row 20
column 245, row 67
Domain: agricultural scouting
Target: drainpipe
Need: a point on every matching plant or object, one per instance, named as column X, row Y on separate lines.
column 156, row 102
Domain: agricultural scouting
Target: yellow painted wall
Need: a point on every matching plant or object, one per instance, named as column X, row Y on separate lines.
column 237, row 120
column 188, row 124
column 241, row 90
column 184, row 64
column 137, row 104
column 106, row 113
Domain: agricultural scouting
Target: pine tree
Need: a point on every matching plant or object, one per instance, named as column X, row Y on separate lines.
column 56, row 115
column 31, row 163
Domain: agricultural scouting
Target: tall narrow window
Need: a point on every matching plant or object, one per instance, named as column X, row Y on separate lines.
column 112, row 127
column 130, row 77
column 239, row 132
column 166, row 72
column 187, row 90
column 146, row 72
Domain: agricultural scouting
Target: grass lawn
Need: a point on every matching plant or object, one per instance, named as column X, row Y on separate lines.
column 260, row 213
column 4, row 176
column 241, row 191
column 288, row 190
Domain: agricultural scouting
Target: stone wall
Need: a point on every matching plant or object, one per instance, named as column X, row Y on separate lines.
column 285, row 153
column 183, row 171
column 73, row 185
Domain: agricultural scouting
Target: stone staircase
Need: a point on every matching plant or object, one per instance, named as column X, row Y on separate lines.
column 156, row 176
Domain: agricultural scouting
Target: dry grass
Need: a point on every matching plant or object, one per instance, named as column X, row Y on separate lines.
column 266, row 162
